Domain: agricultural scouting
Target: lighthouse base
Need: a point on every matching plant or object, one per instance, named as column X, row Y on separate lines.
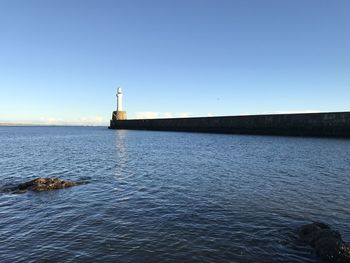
column 119, row 115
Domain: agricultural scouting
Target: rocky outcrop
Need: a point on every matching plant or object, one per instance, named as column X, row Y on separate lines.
column 327, row 242
column 45, row 184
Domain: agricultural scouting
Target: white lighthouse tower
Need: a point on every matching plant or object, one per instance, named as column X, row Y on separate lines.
column 119, row 115
column 119, row 99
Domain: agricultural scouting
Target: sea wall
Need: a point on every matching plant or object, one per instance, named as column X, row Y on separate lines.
column 331, row 124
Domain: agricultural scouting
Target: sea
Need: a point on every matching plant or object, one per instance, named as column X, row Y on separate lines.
column 156, row 196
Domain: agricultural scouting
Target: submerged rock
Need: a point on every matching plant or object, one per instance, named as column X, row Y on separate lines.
column 45, row 184
column 328, row 243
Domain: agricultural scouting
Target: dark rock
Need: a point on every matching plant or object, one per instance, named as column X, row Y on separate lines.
column 327, row 242
column 328, row 248
column 45, row 184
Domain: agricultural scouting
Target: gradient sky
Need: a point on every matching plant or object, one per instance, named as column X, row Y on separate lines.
column 61, row 61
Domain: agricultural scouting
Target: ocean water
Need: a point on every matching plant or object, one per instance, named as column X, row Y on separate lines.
column 168, row 196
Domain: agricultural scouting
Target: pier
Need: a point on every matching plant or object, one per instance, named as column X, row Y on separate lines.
column 328, row 124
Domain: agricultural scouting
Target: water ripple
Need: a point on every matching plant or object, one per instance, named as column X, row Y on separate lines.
column 168, row 197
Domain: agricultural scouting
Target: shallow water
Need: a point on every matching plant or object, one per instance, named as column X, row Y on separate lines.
column 168, row 196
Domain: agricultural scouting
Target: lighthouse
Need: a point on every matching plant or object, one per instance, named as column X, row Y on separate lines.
column 119, row 114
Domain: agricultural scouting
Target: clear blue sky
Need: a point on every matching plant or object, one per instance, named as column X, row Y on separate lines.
column 61, row 61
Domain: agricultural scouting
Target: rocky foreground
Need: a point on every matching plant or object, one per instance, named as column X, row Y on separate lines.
column 44, row 184
column 327, row 242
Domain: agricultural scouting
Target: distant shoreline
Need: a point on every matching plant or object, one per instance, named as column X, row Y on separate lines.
column 45, row 125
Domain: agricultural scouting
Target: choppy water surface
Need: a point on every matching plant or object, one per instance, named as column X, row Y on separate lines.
column 168, row 196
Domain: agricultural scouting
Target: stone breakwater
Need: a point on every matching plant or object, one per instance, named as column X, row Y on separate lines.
column 331, row 124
